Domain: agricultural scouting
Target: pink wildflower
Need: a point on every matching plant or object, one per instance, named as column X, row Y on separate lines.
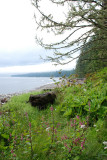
column 62, row 138
column 12, row 151
column 10, row 134
column 65, row 137
column 74, row 121
column 55, row 131
column 65, row 144
column 82, row 144
column 70, row 149
column 51, row 108
column 30, row 125
column 77, row 117
column 22, row 137
column 80, row 123
column 72, row 125
column 14, row 155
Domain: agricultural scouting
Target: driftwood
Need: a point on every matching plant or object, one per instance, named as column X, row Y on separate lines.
column 40, row 101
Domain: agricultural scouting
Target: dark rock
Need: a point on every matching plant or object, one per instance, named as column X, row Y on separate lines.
column 4, row 100
column 41, row 100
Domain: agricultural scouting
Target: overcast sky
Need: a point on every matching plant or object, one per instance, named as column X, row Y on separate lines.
column 18, row 49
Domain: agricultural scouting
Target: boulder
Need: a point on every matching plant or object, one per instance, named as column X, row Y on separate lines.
column 4, row 100
column 41, row 100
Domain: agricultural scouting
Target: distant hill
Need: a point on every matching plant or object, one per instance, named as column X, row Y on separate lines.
column 67, row 73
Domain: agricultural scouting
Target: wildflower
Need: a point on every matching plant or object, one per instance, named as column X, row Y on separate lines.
column 47, row 129
column 55, row 131
column 105, row 143
column 65, row 137
column 72, row 124
column 51, row 108
column 10, row 134
column 82, row 126
column 62, row 138
column 94, row 125
column 12, row 151
column 105, row 147
column 89, row 103
column 70, row 149
column 74, row 121
column 85, row 90
column 14, row 155
column 97, row 130
column 80, row 123
column 30, row 125
column 77, row 117
column 22, row 137
column 65, row 144
column 82, row 144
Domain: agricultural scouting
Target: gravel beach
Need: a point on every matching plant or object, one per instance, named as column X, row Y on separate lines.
column 47, row 87
column 5, row 97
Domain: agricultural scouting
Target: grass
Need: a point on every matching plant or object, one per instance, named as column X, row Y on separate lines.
column 73, row 128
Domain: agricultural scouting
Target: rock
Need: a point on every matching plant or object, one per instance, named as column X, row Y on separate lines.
column 41, row 100
column 76, row 81
column 4, row 100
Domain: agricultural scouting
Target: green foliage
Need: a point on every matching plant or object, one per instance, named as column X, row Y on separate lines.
column 91, row 60
column 90, row 98
column 74, row 128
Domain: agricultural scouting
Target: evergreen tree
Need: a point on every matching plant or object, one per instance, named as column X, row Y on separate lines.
column 92, row 58
column 88, row 17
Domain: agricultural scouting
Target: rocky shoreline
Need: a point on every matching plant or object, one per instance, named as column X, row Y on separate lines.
column 6, row 97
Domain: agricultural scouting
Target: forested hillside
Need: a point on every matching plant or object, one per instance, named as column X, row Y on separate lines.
column 47, row 74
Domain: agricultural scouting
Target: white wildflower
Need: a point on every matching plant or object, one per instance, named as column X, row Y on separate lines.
column 97, row 130
column 94, row 125
column 105, row 147
column 47, row 129
column 105, row 143
column 82, row 126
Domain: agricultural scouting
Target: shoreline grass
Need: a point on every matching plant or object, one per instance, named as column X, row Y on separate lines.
column 73, row 128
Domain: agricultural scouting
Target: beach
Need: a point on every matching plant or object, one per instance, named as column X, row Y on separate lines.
column 5, row 97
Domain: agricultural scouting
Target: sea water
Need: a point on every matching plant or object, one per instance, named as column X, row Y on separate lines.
column 11, row 85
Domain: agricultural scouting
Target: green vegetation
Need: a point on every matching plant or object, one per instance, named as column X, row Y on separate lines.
column 92, row 58
column 47, row 74
column 74, row 128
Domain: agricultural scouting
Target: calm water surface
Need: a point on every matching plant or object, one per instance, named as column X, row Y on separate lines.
column 10, row 85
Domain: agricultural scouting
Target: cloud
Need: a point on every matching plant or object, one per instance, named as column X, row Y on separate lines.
column 18, row 48
column 22, row 58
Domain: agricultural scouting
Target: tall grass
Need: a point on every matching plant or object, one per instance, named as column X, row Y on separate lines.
column 68, row 130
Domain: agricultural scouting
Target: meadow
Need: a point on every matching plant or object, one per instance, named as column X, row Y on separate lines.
column 73, row 128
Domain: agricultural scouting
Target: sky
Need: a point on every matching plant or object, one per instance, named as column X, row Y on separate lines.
column 19, row 52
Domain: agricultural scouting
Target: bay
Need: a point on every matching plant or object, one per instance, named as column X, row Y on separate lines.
column 11, row 85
